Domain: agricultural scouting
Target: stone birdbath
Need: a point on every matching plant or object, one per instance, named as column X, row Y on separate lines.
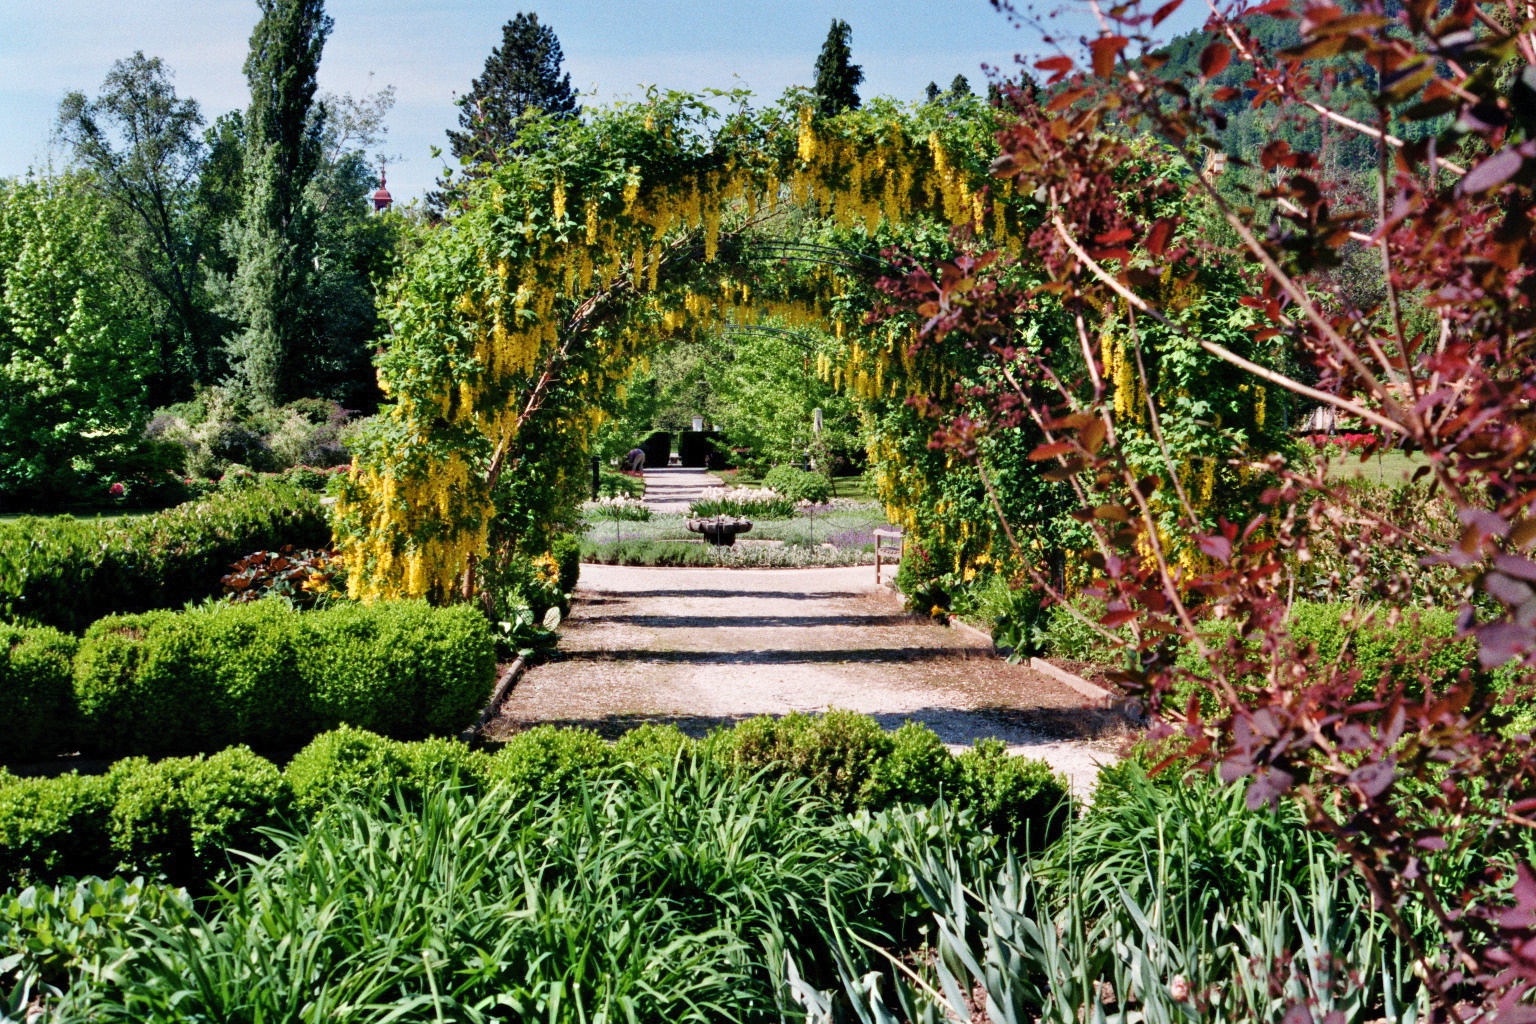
column 720, row 531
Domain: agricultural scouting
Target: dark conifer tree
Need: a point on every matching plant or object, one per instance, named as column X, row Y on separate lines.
column 931, row 94
column 837, row 77
column 521, row 74
column 961, row 86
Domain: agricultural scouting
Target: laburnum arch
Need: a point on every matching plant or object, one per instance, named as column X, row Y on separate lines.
column 573, row 260
column 515, row 327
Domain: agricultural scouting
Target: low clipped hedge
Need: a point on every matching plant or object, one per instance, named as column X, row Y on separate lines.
column 37, row 696
column 270, row 676
column 261, row 674
column 176, row 817
column 67, row 573
column 180, row 817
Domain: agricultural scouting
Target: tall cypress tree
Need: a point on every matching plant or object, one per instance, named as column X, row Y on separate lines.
column 837, row 77
column 520, row 75
column 274, row 237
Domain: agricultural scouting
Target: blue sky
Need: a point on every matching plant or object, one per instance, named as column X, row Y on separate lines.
column 430, row 49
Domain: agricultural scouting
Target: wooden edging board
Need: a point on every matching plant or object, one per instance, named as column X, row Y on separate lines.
column 509, row 677
column 1061, row 675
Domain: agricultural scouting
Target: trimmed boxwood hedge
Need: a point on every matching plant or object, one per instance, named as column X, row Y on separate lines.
column 178, row 817
column 36, row 692
column 261, row 674
column 270, row 676
column 67, row 573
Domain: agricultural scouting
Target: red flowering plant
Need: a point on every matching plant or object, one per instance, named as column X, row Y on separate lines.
column 1407, row 771
column 304, row 579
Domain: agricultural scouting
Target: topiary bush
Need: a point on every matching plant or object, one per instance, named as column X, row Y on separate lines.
column 348, row 763
column 1013, row 796
column 566, row 551
column 51, row 828
column 840, row 752
column 37, row 700
column 799, row 485
column 68, row 573
column 273, row 677
column 181, row 817
column 546, row 759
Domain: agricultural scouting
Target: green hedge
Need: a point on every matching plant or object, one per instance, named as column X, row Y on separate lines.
column 1423, row 641
column 67, row 573
column 270, row 676
column 37, row 696
column 176, row 817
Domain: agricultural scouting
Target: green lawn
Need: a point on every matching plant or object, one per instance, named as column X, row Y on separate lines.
column 94, row 516
column 1386, row 468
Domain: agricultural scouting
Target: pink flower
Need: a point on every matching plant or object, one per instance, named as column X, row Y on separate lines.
column 117, row 490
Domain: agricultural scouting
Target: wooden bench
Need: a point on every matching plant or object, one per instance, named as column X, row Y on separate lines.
column 888, row 543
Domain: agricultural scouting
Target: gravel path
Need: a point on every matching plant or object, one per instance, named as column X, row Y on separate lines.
column 672, row 489
column 702, row 647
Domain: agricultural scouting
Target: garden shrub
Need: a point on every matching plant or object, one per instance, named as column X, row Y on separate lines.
column 1374, row 648
column 919, row 769
column 840, row 752
column 181, row 816
column 55, row 827
column 566, row 551
column 1014, row 796
column 347, row 764
column 799, row 485
column 68, row 573
column 37, row 700
column 546, row 759
column 344, row 763
column 269, row 676
column 615, row 483
column 651, row 746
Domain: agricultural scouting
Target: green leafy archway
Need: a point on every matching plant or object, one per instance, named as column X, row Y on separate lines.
column 518, row 321
column 516, row 327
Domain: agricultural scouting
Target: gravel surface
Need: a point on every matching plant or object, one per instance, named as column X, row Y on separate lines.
column 703, row 647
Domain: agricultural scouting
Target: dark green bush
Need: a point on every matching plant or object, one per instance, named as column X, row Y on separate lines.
column 840, row 752
column 269, row 676
column 546, row 759
column 50, row 828
column 651, row 746
column 566, row 551
column 1013, row 796
column 1422, row 641
column 176, row 817
column 181, row 816
column 37, row 700
column 919, row 769
column 798, row 484
column 68, row 573
column 346, row 763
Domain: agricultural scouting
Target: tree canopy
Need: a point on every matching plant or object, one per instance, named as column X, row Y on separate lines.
column 523, row 74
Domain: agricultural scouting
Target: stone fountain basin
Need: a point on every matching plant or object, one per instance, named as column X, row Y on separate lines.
column 720, row 532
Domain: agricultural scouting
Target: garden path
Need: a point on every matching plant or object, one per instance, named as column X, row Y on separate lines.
column 703, row 647
column 672, row 489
